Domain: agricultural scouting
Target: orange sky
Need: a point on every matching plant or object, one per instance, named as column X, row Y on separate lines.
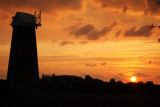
column 103, row 38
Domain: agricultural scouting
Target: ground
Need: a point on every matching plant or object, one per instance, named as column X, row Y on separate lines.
column 82, row 100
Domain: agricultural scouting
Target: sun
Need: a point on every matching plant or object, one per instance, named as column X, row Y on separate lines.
column 133, row 79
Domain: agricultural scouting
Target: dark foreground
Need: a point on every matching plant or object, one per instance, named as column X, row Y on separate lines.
column 73, row 91
column 82, row 100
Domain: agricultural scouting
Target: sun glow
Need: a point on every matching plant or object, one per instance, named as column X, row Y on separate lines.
column 133, row 79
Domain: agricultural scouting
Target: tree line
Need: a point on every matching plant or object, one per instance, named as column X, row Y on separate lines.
column 67, row 83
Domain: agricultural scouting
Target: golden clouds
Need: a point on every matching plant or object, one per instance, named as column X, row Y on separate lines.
column 45, row 5
column 147, row 7
column 135, row 5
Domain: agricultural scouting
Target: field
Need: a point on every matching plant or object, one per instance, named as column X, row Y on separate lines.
column 82, row 100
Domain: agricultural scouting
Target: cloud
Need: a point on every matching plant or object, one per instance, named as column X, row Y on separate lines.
column 83, row 30
column 140, row 75
column 45, row 5
column 64, row 43
column 90, row 32
column 154, row 6
column 157, row 77
column 121, row 74
column 125, row 9
column 135, row 74
column 144, row 6
column 83, row 42
column 135, row 5
column 118, row 33
column 150, row 62
column 104, row 63
column 142, row 31
column 91, row 65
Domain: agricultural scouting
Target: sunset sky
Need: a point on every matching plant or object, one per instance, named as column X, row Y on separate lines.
column 101, row 38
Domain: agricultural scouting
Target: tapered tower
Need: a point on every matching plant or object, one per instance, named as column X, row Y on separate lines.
column 23, row 73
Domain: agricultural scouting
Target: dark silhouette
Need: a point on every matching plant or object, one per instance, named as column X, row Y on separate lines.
column 23, row 81
column 74, row 91
column 23, row 75
column 68, row 83
column 64, row 83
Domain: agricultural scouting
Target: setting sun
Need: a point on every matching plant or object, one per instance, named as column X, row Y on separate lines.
column 133, row 79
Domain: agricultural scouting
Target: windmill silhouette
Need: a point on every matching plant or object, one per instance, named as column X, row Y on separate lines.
column 23, row 73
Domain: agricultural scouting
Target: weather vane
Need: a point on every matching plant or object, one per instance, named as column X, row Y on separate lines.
column 38, row 19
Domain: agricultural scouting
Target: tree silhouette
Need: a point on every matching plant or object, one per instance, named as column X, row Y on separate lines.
column 66, row 83
column 69, row 83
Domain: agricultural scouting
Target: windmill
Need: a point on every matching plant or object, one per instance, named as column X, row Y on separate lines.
column 23, row 72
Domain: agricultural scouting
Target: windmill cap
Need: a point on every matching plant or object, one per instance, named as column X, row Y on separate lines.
column 23, row 19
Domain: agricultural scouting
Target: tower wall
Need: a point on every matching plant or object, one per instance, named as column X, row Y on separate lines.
column 23, row 74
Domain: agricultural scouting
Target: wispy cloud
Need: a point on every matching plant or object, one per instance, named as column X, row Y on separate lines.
column 45, row 5
column 104, row 63
column 140, row 74
column 91, row 65
column 64, row 43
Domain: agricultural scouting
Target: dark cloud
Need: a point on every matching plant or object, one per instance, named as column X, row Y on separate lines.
column 104, row 63
column 143, row 31
column 91, row 65
column 135, row 5
column 83, row 42
column 121, row 74
column 158, row 2
column 94, row 64
column 157, row 77
column 64, row 43
column 90, row 32
column 154, row 7
column 146, row 6
column 140, row 75
column 125, row 9
column 118, row 33
column 83, row 30
column 45, row 5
